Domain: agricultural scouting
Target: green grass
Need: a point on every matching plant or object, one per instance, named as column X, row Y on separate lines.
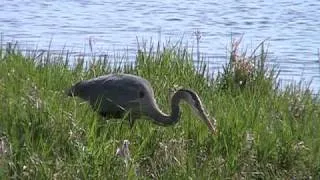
column 264, row 132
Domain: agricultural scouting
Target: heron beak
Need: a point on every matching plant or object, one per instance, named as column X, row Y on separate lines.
column 211, row 125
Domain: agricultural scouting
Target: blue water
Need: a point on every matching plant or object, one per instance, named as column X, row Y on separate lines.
column 291, row 27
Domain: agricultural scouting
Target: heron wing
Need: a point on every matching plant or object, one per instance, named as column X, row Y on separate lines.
column 114, row 91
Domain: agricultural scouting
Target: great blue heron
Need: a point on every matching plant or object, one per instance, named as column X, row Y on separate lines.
column 114, row 95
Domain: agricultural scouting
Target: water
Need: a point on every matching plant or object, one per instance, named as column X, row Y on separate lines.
column 292, row 27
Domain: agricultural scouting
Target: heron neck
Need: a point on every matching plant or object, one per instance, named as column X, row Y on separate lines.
column 163, row 119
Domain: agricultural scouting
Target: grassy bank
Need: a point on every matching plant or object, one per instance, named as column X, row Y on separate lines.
column 264, row 132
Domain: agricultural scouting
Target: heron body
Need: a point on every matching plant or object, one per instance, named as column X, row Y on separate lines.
column 114, row 95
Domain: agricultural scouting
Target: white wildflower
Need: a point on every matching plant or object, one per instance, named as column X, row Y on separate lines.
column 124, row 151
column 4, row 146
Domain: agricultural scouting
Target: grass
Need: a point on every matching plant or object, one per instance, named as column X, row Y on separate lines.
column 264, row 132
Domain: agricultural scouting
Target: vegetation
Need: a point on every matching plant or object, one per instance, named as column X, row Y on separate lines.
column 264, row 132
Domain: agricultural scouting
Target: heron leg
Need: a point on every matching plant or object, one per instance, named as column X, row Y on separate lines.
column 118, row 115
column 131, row 120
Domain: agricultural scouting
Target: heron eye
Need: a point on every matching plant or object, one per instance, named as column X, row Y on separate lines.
column 141, row 94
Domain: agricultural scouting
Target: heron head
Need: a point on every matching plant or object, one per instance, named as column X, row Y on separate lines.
column 193, row 99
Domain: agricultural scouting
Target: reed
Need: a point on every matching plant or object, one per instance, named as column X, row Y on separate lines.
column 264, row 132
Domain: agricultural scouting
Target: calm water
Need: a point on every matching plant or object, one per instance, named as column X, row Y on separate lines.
column 293, row 27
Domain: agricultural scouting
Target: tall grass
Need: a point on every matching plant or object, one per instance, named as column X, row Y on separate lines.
column 264, row 132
